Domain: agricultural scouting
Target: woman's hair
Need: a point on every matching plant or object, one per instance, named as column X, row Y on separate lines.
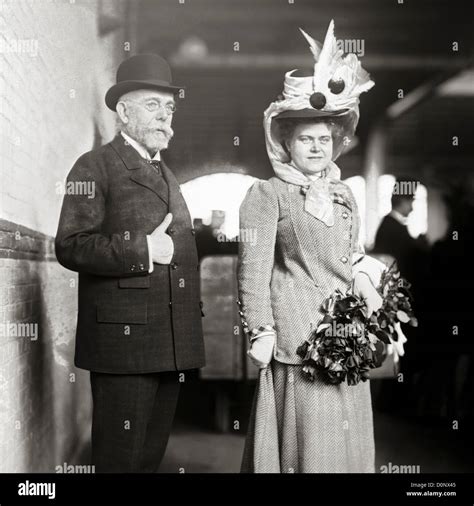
column 287, row 126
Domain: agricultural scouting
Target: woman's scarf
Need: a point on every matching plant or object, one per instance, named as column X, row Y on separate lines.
column 318, row 189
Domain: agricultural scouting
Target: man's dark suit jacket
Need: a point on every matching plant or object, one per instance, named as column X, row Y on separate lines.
column 130, row 321
column 411, row 254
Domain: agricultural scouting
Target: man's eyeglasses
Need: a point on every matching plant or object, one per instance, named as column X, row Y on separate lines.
column 154, row 105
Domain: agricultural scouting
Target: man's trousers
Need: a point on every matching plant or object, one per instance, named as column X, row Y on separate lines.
column 132, row 419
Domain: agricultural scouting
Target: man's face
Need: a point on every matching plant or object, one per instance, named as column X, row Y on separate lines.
column 148, row 118
column 406, row 207
column 218, row 220
column 311, row 147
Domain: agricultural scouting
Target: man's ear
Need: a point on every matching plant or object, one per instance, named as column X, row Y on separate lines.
column 122, row 112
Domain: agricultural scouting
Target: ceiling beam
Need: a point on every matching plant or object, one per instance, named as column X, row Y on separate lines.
column 287, row 61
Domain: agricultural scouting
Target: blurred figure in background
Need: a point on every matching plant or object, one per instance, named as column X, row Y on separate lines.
column 211, row 240
column 411, row 255
column 393, row 237
column 206, row 235
column 446, row 382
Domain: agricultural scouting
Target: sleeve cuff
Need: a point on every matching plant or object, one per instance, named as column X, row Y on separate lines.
column 150, row 255
column 135, row 254
column 263, row 334
column 260, row 331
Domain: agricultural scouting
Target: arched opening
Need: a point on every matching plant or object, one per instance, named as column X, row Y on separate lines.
column 222, row 193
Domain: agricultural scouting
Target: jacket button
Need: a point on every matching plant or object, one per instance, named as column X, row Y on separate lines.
column 344, row 260
column 174, row 265
column 141, row 267
column 171, row 231
column 133, row 267
column 345, row 215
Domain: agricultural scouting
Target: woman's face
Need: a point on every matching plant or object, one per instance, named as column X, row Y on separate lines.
column 311, row 147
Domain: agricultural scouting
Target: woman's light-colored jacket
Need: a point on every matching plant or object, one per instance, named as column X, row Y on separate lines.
column 294, row 262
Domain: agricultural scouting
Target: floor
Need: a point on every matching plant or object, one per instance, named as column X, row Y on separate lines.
column 435, row 449
column 203, row 443
column 434, row 444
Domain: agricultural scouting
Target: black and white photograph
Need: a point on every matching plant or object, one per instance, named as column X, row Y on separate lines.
column 236, row 238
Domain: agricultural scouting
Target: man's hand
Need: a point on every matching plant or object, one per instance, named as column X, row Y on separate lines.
column 162, row 246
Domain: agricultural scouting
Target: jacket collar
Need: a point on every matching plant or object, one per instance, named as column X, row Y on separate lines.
column 127, row 153
column 142, row 172
column 398, row 217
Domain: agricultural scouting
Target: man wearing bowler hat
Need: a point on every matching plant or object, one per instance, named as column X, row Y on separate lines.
column 133, row 245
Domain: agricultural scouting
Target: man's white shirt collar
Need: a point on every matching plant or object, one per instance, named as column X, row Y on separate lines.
column 138, row 147
column 398, row 216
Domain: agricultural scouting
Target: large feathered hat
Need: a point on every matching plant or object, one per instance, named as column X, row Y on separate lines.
column 331, row 91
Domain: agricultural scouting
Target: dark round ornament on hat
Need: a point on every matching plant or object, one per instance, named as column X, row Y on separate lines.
column 336, row 86
column 317, row 100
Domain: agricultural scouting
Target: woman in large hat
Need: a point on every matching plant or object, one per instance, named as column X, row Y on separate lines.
column 307, row 227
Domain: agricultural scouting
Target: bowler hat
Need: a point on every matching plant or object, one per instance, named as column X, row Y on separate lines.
column 142, row 71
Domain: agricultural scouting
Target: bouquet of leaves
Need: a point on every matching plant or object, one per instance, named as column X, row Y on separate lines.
column 347, row 344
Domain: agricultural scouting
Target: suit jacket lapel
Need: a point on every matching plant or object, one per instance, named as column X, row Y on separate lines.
column 177, row 204
column 141, row 172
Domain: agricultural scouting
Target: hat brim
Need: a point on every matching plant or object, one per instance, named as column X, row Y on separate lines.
column 311, row 113
column 117, row 90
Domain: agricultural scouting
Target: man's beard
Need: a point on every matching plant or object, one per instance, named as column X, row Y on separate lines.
column 153, row 139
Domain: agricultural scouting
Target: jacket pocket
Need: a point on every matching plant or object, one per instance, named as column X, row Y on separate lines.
column 134, row 282
column 122, row 313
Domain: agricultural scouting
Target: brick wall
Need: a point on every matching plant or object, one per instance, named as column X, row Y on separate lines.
column 57, row 59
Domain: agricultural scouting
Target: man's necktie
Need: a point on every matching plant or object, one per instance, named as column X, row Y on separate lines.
column 156, row 166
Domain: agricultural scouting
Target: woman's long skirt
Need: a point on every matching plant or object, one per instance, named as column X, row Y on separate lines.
column 299, row 426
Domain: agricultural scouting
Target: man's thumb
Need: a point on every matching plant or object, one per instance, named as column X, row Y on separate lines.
column 165, row 223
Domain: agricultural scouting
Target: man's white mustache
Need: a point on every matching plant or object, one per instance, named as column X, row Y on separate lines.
column 167, row 130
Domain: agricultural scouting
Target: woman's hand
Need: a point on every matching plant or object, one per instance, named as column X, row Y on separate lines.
column 261, row 350
column 370, row 266
column 363, row 287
